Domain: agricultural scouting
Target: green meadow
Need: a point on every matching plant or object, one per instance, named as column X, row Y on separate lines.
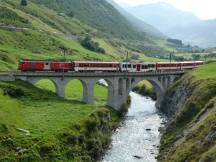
column 48, row 117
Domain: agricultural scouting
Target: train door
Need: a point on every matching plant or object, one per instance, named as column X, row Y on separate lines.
column 138, row 67
column 47, row 66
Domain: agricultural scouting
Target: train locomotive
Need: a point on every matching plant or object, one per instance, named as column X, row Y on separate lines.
column 96, row 66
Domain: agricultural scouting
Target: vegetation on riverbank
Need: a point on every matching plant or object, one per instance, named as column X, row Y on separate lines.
column 191, row 103
column 145, row 88
column 36, row 125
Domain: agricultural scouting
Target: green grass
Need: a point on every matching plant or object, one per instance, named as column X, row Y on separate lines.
column 48, row 117
column 74, row 91
column 145, row 88
column 194, row 120
column 148, row 85
column 152, row 59
column 46, row 31
column 206, row 72
column 42, row 107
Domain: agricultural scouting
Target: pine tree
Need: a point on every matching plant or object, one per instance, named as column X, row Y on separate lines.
column 23, row 3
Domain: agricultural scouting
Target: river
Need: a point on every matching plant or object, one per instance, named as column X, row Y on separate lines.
column 138, row 135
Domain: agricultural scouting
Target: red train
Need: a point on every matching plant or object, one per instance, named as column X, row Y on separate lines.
column 92, row 66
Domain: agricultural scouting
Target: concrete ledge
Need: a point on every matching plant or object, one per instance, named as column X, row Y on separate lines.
column 93, row 74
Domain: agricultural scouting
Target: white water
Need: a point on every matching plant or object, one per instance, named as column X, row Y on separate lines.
column 132, row 138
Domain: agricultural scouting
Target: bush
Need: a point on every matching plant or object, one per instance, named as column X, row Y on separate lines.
column 23, row 3
column 71, row 14
column 49, row 150
column 95, row 148
column 91, row 45
column 143, row 90
column 9, row 17
column 124, row 108
column 14, row 91
column 3, row 128
column 91, row 125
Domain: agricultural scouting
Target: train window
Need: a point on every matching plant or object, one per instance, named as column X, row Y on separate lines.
column 143, row 66
column 129, row 66
column 47, row 63
column 134, row 66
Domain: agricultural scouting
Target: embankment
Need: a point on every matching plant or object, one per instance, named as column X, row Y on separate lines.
column 37, row 125
column 145, row 88
column 190, row 104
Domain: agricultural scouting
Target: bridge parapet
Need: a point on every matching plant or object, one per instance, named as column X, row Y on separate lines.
column 119, row 84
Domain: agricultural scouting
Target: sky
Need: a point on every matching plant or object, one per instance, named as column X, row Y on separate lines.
column 204, row 9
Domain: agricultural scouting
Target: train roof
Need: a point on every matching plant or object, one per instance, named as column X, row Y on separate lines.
column 44, row 60
column 180, row 62
column 95, row 62
column 191, row 61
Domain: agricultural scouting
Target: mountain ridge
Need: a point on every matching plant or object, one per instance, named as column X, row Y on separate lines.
column 162, row 15
column 138, row 23
column 177, row 24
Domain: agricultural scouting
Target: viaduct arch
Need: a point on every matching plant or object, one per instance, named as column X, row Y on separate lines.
column 119, row 84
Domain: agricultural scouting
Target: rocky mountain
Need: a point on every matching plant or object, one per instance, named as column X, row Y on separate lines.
column 190, row 134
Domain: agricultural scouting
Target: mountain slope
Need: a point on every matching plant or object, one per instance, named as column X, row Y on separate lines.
column 98, row 14
column 201, row 33
column 137, row 23
column 190, row 134
column 36, row 32
column 177, row 24
column 162, row 15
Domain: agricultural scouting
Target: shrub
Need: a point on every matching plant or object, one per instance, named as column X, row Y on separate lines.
column 123, row 110
column 14, row 91
column 9, row 17
column 23, row 3
column 49, row 150
column 91, row 125
column 3, row 128
column 95, row 148
column 91, row 45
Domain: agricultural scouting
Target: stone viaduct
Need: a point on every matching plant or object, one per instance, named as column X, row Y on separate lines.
column 119, row 84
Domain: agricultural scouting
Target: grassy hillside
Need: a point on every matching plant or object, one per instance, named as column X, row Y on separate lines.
column 145, row 88
column 36, row 125
column 190, row 136
column 37, row 32
column 101, row 15
column 109, row 22
column 137, row 23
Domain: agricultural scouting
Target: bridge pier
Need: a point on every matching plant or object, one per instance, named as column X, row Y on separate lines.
column 119, row 84
column 113, row 94
column 88, row 91
column 60, row 86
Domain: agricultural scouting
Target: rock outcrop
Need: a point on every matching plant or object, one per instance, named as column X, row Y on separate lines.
column 190, row 134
